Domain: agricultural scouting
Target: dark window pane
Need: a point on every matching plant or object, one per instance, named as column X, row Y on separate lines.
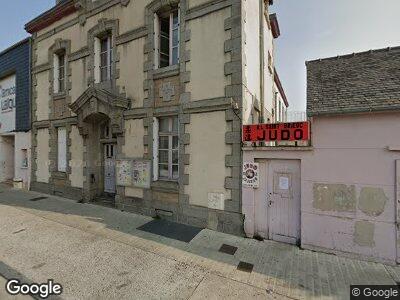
column 175, row 142
column 164, row 45
column 164, row 125
column 175, row 156
column 103, row 72
column 61, row 85
column 163, row 156
column 175, row 172
column 103, row 59
column 164, row 26
column 163, row 170
column 104, row 45
column 164, row 61
column 163, row 142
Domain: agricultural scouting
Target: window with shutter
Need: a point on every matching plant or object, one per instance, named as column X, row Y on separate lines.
column 166, row 148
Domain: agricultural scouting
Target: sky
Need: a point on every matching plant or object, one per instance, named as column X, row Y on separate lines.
column 310, row 29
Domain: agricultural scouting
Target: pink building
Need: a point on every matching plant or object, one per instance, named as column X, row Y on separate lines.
column 341, row 193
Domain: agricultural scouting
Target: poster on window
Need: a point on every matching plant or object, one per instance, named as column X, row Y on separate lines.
column 250, row 174
column 124, row 172
column 141, row 172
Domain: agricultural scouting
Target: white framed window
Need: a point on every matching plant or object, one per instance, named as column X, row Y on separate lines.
column 166, row 148
column 103, row 58
column 59, row 72
column 167, row 38
column 61, row 149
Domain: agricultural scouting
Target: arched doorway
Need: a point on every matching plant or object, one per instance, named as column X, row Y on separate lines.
column 100, row 118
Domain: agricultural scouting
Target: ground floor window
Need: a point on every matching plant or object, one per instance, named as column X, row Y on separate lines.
column 167, row 148
column 62, row 149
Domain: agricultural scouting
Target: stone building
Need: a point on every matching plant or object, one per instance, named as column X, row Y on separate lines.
column 341, row 194
column 142, row 102
column 15, row 137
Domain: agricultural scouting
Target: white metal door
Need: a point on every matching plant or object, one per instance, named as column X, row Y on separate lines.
column 283, row 200
column 109, row 168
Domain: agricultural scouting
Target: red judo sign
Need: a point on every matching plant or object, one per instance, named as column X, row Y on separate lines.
column 296, row 131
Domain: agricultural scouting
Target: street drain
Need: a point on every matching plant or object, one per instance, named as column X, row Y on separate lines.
column 228, row 249
column 38, row 198
column 245, row 267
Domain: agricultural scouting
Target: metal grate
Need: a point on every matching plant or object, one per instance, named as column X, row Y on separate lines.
column 245, row 267
column 228, row 249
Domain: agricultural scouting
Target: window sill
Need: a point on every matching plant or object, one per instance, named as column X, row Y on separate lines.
column 166, row 72
column 60, row 175
column 59, row 95
column 167, row 186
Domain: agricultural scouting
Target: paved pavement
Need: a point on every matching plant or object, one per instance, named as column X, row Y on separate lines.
column 97, row 252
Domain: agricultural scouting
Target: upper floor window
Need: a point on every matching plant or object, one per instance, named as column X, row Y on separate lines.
column 59, row 72
column 105, row 58
column 167, row 38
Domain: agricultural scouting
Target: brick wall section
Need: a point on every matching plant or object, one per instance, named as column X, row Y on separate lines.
column 361, row 82
column 16, row 60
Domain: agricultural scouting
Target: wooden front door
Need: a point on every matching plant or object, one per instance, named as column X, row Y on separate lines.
column 283, row 200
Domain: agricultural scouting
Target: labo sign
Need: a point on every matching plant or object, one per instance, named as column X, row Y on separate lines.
column 296, row 131
column 7, row 102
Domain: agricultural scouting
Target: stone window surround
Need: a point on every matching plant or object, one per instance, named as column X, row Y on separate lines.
column 102, row 28
column 167, row 9
column 59, row 46
column 53, row 154
column 57, row 149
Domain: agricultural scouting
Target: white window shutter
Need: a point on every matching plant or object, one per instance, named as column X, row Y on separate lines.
column 156, row 42
column 56, row 67
column 96, row 60
column 62, row 149
column 155, row 149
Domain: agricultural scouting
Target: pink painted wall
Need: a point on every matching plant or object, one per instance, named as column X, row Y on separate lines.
column 350, row 150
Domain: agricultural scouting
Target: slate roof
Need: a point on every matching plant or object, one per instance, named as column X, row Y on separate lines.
column 360, row 82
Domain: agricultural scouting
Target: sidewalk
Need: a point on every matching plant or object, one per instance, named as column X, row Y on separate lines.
column 98, row 252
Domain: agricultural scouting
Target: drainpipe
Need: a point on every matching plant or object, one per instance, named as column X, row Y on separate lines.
column 261, row 42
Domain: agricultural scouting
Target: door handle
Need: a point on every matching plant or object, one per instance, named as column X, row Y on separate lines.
column 270, row 203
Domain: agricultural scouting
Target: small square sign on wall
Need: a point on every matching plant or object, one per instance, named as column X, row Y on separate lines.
column 216, row 201
column 250, row 176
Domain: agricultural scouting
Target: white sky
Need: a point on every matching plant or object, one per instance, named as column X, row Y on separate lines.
column 312, row 29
